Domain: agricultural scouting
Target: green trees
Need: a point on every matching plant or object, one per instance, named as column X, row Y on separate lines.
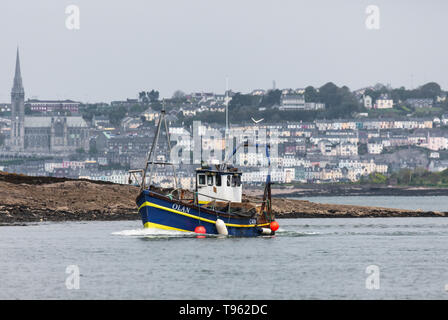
column 339, row 102
column 136, row 109
column 311, row 94
column 429, row 90
column 116, row 115
column 420, row 177
column 409, row 177
column 374, row 178
column 243, row 100
column 178, row 96
column 271, row 98
column 148, row 96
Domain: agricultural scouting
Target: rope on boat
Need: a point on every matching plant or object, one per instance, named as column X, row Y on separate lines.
column 265, row 213
column 199, row 211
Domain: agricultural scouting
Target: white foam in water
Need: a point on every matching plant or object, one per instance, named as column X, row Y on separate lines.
column 148, row 232
column 156, row 232
column 285, row 232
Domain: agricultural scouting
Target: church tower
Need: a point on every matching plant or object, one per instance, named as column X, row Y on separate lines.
column 17, row 139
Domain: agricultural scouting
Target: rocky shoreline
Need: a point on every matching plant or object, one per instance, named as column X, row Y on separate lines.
column 25, row 199
column 330, row 190
column 292, row 208
column 20, row 215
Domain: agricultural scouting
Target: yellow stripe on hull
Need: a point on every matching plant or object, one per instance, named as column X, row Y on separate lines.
column 161, row 226
column 150, row 204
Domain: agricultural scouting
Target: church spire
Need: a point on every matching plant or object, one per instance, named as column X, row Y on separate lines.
column 17, row 86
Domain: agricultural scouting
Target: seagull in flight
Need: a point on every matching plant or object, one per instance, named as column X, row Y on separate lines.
column 257, row 121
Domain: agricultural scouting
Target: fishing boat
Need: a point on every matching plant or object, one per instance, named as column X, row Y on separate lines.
column 215, row 207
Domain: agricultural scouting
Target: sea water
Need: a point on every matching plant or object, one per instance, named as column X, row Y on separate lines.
column 320, row 258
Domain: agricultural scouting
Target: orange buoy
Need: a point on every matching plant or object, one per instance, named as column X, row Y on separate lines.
column 199, row 229
column 274, row 226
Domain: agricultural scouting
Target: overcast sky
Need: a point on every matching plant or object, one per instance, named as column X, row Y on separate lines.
column 123, row 47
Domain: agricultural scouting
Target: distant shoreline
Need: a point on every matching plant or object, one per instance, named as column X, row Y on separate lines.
column 25, row 199
column 337, row 190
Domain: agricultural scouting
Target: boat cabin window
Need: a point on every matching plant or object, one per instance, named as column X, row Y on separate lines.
column 201, row 179
column 218, row 180
column 236, row 181
column 229, row 177
column 210, row 180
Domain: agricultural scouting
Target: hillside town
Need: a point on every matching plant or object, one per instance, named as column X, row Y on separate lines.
column 376, row 130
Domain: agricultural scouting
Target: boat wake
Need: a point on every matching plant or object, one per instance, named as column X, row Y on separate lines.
column 160, row 233
column 294, row 233
column 153, row 233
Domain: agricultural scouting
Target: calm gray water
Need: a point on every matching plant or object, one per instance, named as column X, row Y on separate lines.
column 307, row 259
column 426, row 203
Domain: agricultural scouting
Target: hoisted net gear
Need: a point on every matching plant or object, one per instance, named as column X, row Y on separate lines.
column 242, row 210
column 171, row 193
column 245, row 213
column 182, row 194
column 268, row 219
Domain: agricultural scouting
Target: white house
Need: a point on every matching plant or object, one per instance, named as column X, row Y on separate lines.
column 367, row 102
column 384, row 102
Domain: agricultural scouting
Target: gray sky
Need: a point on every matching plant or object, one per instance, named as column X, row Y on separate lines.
column 124, row 47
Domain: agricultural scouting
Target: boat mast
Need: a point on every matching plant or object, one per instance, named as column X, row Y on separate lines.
column 267, row 202
column 153, row 150
column 227, row 104
column 226, row 138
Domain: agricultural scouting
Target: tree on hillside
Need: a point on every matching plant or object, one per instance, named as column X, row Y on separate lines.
column 271, row 98
column 116, row 115
column 153, row 95
column 339, row 102
column 240, row 100
column 430, row 90
column 178, row 95
column 311, row 94
column 148, row 96
column 142, row 97
column 329, row 94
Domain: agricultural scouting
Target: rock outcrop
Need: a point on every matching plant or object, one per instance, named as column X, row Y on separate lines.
column 34, row 199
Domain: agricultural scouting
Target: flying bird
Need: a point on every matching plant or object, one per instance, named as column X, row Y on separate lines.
column 257, row 121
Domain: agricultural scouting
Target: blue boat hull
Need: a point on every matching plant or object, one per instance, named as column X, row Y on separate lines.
column 158, row 211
